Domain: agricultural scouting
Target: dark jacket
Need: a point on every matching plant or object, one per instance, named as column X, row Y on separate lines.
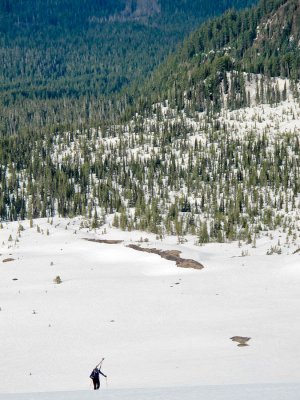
column 95, row 374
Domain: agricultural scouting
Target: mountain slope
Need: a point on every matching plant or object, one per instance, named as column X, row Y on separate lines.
column 60, row 61
column 213, row 151
column 262, row 40
column 173, row 172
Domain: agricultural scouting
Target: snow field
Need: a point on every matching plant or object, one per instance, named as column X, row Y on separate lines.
column 231, row 392
column 157, row 325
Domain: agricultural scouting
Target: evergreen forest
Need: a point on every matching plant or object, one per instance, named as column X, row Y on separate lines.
column 70, row 63
column 205, row 144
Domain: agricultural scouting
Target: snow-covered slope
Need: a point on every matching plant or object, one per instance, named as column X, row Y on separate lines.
column 231, row 392
column 157, row 325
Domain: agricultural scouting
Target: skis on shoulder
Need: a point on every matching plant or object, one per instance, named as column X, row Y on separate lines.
column 100, row 363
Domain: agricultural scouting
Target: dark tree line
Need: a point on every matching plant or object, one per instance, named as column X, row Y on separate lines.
column 70, row 63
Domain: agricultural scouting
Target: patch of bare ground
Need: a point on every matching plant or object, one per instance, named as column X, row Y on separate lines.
column 172, row 255
column 105, row 241
column 241, row 340
column 8, row 260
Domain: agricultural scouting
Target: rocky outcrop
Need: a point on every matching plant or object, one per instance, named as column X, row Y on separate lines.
column 136, row 9
column 283, row 22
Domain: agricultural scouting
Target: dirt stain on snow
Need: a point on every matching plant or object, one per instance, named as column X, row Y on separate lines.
column 172, row 255
column 241, row 340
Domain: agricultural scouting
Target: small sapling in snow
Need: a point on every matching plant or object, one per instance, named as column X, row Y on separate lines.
column 57, row 280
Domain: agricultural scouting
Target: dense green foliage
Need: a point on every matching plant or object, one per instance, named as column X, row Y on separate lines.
column 61, row 59
column 263, row 40
column 160, row 175
column 181, row 164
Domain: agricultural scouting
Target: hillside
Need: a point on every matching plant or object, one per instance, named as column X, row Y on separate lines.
column 223, row 178
column 149, row 199
column 261, row 40
column 216, row 157
column 62, row 63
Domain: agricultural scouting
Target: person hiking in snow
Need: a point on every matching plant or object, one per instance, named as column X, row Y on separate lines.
column 96, row 378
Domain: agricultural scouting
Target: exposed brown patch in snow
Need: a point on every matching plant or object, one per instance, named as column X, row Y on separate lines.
column 172, row 255
column 241, row 340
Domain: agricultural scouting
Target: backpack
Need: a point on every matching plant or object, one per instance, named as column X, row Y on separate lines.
column 93, row 374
